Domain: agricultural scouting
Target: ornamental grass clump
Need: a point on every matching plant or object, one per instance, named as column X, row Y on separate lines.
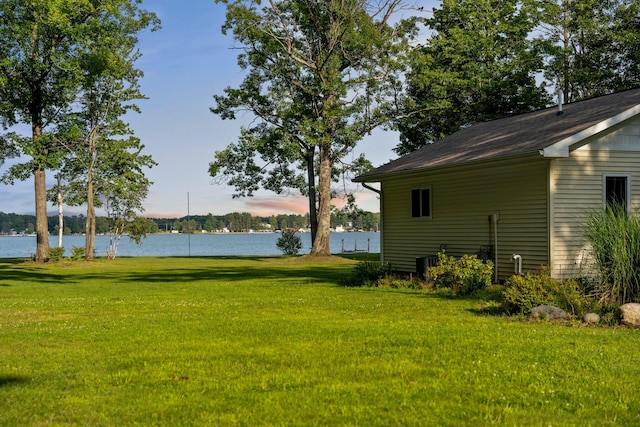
column 614, row 236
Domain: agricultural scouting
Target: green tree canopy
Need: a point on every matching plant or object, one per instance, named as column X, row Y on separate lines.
column 486, row 59
column 591, row 46
column 42, row 47
column 320, row 76
column 109, row 87
column 478, row 63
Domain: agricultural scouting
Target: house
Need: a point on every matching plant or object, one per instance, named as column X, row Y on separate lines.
column 521, row 185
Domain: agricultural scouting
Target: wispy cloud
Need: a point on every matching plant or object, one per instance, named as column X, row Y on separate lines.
column 267, row 206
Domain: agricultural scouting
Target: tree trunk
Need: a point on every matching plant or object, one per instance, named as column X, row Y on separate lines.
column 42, row 226
column 313, row 214
column 60, row 214
column 90, row 226
column 321, row 244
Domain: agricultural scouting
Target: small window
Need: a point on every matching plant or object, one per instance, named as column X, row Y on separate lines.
column 616, row 190
column 421, row 203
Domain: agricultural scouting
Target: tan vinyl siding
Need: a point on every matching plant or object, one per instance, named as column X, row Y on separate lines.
column 577, row 188
column 463, row 200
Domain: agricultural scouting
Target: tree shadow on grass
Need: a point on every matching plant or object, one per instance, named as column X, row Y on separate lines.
column 485, row 304
column 15, row 270
column 486, row 308
column 289, row 269
column 9, row 380
column 257, row 270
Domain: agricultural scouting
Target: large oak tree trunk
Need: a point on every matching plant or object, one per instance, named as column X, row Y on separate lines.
column 42, row 226
column 40, row 191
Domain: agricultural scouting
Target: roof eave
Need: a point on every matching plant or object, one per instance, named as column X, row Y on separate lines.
column 562, row 148
column 380, row 177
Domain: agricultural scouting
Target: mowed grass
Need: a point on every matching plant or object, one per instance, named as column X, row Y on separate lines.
column 278, row 341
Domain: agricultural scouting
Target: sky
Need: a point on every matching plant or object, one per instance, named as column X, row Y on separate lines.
column 185, row 63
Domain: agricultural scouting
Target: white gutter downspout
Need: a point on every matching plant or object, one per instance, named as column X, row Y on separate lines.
column 375, row 190
column 517, row 259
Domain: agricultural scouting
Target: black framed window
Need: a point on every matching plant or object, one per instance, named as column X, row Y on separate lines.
column 421, row 203
column 616, row 190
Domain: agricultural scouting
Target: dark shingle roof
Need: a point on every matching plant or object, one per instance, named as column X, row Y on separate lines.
column 521, row 134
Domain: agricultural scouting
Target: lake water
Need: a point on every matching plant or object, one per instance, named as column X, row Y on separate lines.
column 195, row 245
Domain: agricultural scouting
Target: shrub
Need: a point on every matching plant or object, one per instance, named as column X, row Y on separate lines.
column 56, row 254
column 289, row 243
column 522, row 293
column 464, row 276
column 368, row 273
column 610, row 315
column 77, row 253
column 614, row 236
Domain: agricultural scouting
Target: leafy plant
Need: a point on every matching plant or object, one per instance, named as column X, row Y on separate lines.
column 77, row 253
column 610, row 315
column 289, row 243
column 368, row 273
column 614, row 236
column 56, row 254
column 464, row 276
column 522, row 293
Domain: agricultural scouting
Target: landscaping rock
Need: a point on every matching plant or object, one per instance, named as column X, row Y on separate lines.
column 630, row 314
column 548, row 312
column 591, row 318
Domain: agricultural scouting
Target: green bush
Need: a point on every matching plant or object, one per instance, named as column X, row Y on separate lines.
column 465, row 276
column 610, row 315
column 77, row 253
column 368, row 273
column 522, row 293
column 56, row 254
column 614, row 236
column 289, row 243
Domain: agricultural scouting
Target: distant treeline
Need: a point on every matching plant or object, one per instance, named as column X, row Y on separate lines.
column 232, row 222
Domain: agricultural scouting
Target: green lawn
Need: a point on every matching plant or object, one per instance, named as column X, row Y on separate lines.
column 277, row 341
